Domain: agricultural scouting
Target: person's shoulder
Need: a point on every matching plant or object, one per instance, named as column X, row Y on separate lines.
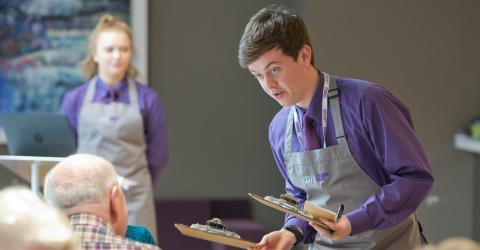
column 144, row 87
column 281, row 116
column 140, row 234
column 139, row 245
column 114, row 242
column 146, row 91
column 363, row 91
column 359, row 87
column 368, row 96
column 117, row 244
column 77, row 91
column 278, row 124
column 73, row 98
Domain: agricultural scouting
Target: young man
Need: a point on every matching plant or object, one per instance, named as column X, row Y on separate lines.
column 336, row 141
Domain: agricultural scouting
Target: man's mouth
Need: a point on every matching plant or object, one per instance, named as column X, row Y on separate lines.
column 277, row 93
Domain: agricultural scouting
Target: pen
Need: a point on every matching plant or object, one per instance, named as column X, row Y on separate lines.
column 339, row 213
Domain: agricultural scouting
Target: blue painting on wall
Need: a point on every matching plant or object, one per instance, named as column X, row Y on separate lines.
column 42, row 43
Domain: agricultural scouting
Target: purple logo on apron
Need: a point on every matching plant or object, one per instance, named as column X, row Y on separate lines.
column 319, row 177
column 113, row 118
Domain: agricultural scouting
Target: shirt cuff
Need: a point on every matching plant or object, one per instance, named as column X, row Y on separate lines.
column 308, row 232
column 360, row 221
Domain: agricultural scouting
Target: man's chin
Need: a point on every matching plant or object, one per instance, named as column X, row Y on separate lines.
column 285, row 104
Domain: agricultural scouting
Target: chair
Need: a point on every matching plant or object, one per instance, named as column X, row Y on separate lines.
column 237, row 216
column 186, row 212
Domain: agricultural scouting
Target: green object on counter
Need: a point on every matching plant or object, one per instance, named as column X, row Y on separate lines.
column 475, row 129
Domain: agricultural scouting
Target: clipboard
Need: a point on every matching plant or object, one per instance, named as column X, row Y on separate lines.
column 309, row 213
column 199, row 234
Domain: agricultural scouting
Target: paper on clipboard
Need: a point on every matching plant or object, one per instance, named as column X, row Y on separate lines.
column 199, row 234
column 309, row 213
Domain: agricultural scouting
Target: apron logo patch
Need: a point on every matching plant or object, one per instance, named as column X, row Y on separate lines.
column 309, row 179
column 113, row 118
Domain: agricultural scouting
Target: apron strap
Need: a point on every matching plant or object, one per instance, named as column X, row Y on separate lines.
column 90, row 91
column 132, row 92
column 288, row 133
column 334, row 102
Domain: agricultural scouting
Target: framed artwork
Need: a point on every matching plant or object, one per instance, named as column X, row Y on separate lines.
column 42, row 43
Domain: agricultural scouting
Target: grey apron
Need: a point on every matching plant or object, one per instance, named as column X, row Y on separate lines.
column 343, row 181
column 115, row 132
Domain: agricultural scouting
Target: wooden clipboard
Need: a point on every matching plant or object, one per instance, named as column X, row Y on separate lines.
column 318, row 211
column 199, row 234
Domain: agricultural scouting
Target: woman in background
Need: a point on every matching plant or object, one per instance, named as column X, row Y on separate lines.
column 115, row 117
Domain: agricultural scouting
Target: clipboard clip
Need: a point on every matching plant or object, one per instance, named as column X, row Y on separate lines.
column 215, row 226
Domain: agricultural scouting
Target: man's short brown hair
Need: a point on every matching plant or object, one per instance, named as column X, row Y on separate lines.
column 272, row 27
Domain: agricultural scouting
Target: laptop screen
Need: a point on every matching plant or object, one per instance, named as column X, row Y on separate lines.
column 38, row 134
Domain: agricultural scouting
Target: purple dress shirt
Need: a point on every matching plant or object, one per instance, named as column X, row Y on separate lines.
column 151, row 109
column 382, row 140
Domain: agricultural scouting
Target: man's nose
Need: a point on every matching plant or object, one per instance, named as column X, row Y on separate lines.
column 270, row 82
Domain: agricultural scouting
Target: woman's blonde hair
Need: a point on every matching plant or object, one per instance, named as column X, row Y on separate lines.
column 106, row 22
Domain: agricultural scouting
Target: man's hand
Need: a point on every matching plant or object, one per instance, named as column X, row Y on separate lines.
column 277, row 240
column 341, row 229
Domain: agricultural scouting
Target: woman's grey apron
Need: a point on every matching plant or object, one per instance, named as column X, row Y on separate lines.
column 114, row 131
column 330, row 176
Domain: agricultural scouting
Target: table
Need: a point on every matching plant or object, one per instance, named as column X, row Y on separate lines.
column 38, row 165
column 467, row 143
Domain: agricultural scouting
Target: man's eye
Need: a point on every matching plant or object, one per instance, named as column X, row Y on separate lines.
column 275, row 70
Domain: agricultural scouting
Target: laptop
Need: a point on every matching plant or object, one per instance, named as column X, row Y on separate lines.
column 38, row 134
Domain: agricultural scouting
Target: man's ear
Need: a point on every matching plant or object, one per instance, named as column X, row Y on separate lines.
column 305, row 54
column 118, row 210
